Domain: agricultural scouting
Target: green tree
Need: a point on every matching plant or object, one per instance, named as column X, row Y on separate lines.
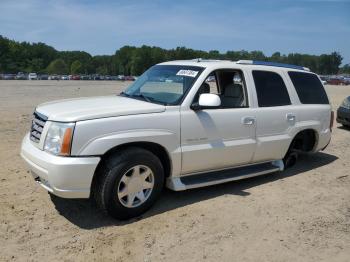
column 124, row 59
column 257, row 55
column 102, row 70
column 345, row 69
column 85, row 59
column 76, row 68
column 213, row 54
column 57, row 66
column 104, row 65
column 39, row 57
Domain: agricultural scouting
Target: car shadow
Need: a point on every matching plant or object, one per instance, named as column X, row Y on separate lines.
column 344, row 127
column 85, row 214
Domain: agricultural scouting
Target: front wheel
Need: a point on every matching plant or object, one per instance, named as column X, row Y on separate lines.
column 128, row 183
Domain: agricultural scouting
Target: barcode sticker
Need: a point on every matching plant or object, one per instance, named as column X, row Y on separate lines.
column 189, row 73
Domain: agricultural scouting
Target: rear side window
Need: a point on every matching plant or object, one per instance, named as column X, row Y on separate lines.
column 270, row 89
column 309, row 88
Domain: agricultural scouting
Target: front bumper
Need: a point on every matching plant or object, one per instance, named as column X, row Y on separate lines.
column 67, row 177
column 343, row 116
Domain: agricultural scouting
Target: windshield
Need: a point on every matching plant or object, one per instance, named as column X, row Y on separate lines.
column 164, row 84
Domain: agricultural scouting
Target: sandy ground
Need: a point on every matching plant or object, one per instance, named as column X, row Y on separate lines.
column 302, row 214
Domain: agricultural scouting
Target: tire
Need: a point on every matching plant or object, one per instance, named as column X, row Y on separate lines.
column 290, row 159
column 291, row 156
column 116, row 177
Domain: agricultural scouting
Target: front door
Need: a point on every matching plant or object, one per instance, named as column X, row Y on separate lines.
column 222, row 137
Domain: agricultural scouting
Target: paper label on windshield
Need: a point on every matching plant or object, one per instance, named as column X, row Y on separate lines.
column 189, row 73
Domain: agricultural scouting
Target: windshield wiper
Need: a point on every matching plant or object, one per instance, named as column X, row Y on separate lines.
column 147, row 98
column 124, row 94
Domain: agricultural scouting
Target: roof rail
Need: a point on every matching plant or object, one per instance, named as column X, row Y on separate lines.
column 265, row 63
column 205, row 60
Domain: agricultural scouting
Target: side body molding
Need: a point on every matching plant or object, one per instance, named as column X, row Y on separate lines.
column 101, row 145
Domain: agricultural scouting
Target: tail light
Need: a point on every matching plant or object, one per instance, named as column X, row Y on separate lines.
column 332, row 121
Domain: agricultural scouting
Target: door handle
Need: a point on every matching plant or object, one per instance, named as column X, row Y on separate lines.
column 248, row 120
column 290, row 117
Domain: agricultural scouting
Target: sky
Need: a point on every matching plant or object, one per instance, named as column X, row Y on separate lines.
column 103, row 26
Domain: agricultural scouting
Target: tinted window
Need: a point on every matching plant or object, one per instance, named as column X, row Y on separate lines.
column 309, row 88
column 270, row 89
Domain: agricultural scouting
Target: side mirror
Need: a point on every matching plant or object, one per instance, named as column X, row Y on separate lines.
column 207, row 101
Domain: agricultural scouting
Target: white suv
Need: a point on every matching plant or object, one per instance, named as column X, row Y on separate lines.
column 182, row 124
column 32, row 76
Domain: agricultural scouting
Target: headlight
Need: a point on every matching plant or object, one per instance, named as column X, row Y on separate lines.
column 346, row 103
column 58, row 139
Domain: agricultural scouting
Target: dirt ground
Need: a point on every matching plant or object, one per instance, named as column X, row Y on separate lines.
column 302, row 214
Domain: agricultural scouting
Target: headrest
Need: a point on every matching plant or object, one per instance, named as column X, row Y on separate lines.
column 237, row 79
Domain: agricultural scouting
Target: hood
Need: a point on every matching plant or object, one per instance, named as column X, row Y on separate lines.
column 71, row 110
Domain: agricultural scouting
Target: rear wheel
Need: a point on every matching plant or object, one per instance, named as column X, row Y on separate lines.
column 291, row 157
column 128, row 184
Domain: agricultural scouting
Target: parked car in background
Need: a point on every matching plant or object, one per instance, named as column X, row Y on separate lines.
column 129, row 78
column 114, row 78
column 64, row 77
column 76, row 77
column 85, row 77
column 121, row 77
column 9, row 76
column 32, row 76
column 338, row 80
column 343, row 112
column 122, row 150
column 96, row 77
column 21, row 76
column 346, row 80
column 334, row 81
column 54, row 77
column 43, row 77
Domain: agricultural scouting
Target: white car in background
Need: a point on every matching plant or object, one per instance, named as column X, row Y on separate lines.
column 250, row 119
column 32, row 76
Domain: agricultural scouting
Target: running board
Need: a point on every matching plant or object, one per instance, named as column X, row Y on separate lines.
column 223, row 176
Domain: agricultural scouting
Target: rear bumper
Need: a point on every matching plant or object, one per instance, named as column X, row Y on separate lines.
column 67, row 177
column 343, row 116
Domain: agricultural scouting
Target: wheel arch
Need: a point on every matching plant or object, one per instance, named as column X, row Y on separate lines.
column 305, row 140
column 155, row 148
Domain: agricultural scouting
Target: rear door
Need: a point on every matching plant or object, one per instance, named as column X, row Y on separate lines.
column 275, row 115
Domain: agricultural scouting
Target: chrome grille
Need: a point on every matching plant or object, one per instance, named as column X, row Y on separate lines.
column 38, row 124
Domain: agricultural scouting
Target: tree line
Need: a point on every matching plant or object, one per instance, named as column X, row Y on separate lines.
column 130, row 60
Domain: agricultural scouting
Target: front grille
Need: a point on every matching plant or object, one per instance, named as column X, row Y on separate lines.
column 38, row 124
